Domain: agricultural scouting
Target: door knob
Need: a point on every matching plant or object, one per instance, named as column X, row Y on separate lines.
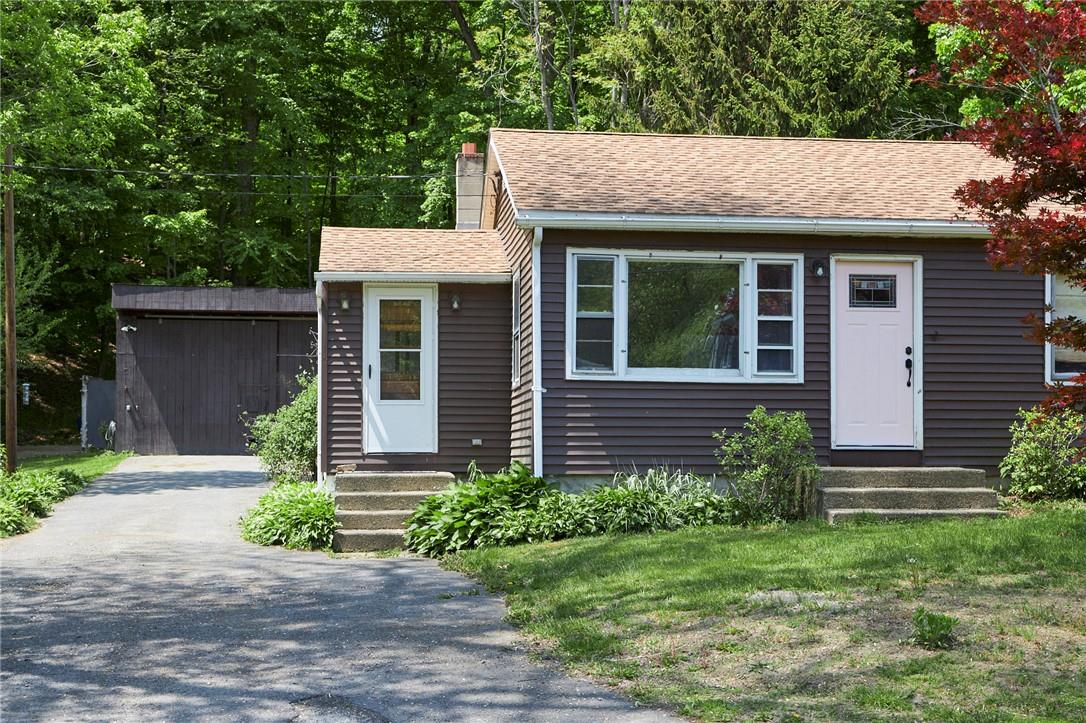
column 909, row 366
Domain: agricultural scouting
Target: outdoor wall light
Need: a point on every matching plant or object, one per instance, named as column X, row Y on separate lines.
column 128, row 328
column 345, row 303
column 818, row 268
column 456, row 302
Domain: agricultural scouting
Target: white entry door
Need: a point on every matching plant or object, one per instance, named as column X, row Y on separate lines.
column 875, row 384
column 400, row 375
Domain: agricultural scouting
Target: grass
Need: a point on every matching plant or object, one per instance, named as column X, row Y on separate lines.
column 811, row 622
column 89, row 464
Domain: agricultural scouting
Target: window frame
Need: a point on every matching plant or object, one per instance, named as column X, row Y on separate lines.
column 613, row 315
column 748, row 346
column 1051, row 377
column 517, row 322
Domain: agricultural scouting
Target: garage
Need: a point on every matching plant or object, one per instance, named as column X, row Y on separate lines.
column 193, row 363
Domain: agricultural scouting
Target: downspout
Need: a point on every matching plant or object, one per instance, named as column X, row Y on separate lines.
column 537, row 357
column 320, row 382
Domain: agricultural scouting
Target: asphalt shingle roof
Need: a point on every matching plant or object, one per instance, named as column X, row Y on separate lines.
column 399, row 250
column 738, row 176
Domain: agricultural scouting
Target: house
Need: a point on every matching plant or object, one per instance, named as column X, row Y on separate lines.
column 610, row 300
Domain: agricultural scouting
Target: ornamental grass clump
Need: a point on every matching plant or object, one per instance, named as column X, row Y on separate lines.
column 295, row 514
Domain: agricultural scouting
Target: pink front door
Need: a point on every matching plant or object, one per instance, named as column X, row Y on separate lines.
column 875, row 383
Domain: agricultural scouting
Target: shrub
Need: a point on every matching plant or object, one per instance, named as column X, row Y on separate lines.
column 295, row 515
column 472, row 513
column 512, row 506
column 1046, row 459
column 286, row 440
column 13, row 519
column 933, row 631
column 32, row 492
column 770, row 465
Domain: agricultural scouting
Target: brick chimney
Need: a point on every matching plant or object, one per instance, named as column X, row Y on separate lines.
column 469, row 187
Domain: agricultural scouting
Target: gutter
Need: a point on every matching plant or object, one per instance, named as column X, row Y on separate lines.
column 537, row 356
column 751, row 224
column 488, row 277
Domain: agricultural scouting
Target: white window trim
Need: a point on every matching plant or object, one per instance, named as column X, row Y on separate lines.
column 1050, row 353
column 517, row 332
column 747, row 347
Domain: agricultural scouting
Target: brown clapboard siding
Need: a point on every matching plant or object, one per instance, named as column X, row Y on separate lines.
column 473, row 381
column 978, row 367
column 342, row 361
column 518, row 248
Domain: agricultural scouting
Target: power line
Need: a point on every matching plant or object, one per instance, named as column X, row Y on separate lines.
column 214, row 174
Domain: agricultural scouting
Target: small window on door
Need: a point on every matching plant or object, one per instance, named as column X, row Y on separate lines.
column 872, row 291
column 401, row 349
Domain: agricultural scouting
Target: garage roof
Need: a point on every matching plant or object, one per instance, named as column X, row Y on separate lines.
column 191, row 300
column 418, row 252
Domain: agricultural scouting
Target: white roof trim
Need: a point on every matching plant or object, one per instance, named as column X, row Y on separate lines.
column 488, row 277
column 753, row 224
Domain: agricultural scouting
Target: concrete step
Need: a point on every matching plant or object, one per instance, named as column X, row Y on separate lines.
column 942, row 477
column 367, row 540
column 842, row 515
column 380, row 500
column 372, row 520
column 909, row 498
column 393, row 481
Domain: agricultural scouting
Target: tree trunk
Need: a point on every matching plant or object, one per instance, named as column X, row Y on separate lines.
column 465, row 30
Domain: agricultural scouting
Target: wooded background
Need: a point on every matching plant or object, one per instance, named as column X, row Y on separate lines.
column 207, row 143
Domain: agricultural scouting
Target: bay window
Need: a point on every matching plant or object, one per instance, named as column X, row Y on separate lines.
column 684, row 316
column 1065, row 299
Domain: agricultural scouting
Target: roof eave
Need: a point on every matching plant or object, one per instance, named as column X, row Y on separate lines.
column 482, row 277
column 751, row 224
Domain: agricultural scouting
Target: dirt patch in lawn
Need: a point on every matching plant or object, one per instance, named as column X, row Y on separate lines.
column 781, row 655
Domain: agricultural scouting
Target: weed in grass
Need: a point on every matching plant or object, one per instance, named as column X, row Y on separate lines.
column 728, row 646
column 881, row 697
column 932, row 630
column 446, row 595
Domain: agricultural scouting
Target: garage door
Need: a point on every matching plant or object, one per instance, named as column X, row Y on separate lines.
column 186, row 386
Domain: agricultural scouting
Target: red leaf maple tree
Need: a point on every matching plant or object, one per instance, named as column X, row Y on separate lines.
column 1018, row 56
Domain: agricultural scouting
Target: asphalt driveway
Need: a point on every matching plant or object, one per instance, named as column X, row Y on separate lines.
column 137, row 600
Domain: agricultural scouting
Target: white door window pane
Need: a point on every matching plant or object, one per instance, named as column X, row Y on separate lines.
column 683, row 315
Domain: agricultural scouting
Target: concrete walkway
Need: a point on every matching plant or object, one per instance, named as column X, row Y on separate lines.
column 137, row 600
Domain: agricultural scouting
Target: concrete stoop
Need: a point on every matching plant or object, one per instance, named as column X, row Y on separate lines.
column 373, row 507
column 902, row 493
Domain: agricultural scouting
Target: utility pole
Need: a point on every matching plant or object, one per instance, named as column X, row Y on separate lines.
column 10, row 437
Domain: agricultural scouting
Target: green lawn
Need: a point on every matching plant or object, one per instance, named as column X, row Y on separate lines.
column 89, row 464
column 808, row 622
